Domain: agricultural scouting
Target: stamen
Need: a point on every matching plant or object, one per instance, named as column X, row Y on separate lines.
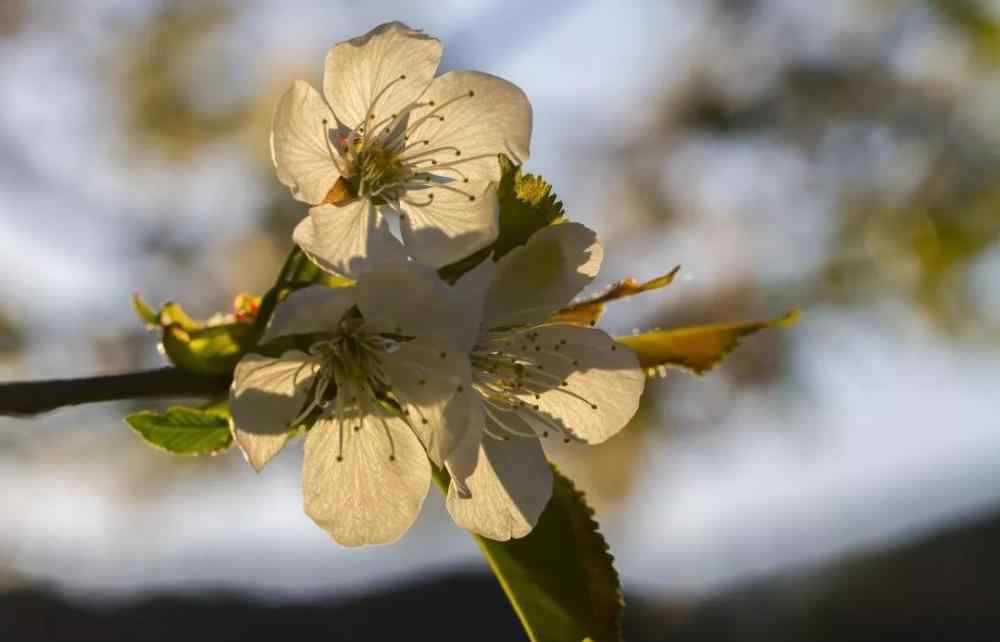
column 434, row 111
column 502, row 424
column 408, row 159
column 334, row 156
column 369, row 115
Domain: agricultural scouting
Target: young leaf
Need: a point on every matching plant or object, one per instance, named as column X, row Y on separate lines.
column 209, row 350
column 184, row 431
column 588, row 311
column 560, row 579
column 146, row 314
column 527, row 204
column 696, row 348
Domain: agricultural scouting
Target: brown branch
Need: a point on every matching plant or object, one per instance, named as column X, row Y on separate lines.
column 33, row 397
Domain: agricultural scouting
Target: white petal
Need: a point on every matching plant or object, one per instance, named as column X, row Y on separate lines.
column 266, row 394
column 410, row 299
column 299, row 144
column 474, row 285
column 316, row 308
column 463, row 459
column 374, row 492
column 460, row 219
column 347, row 239
column 358, row 70
column 495, row 119
column 509, row 489
column 603, row 380
column 538, row 278
column 432, row 385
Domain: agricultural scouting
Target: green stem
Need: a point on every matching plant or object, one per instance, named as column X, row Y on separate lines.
column 34, row 397
column 270, row 300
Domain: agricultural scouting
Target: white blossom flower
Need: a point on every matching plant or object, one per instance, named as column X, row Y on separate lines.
column 385, row 385
column 535, row 380
column 387, row 137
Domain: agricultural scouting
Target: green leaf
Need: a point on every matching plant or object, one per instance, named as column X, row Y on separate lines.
column 184, row 431
column 527, row 204
column 560, row 579
column 696, row 348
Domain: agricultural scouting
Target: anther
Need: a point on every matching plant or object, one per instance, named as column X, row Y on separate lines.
column 443, row 355
column 566, row 440
column 339, row 458
column 472, row 198
column 324, row 121
column 402, row 77
column 613, row 348
column 392, row 458
column 471, row 93
column 593, row 406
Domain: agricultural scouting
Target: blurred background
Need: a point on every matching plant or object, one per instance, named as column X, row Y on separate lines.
column 840, row 480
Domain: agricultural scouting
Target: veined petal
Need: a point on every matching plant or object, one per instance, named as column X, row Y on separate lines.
column 538, row 278
column 316, row 308
column 347, row 239
column 449, row 221
column 509, row 489
column 265, row 396
column 483, row 116
column 432, row 385
column 463, row 459
column 365, row 475
column 384, row 70
column 300, row 148
column 582, row 379
column 412, row 300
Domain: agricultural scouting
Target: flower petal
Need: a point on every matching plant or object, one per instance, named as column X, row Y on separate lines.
column 386, row 69
column 538, row 278
column 463, row 458
column 446, row 222
column 433, row 387
column 588, row 383
column 299, row 144
column 347, row 239
column 316, row 308
column 509, row 489
column 483, row 116
column 266, row 394
column 365, row 475
column 411, row 299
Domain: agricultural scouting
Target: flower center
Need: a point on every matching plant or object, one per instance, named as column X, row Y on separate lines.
column 392, row 158
column 376, row 170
